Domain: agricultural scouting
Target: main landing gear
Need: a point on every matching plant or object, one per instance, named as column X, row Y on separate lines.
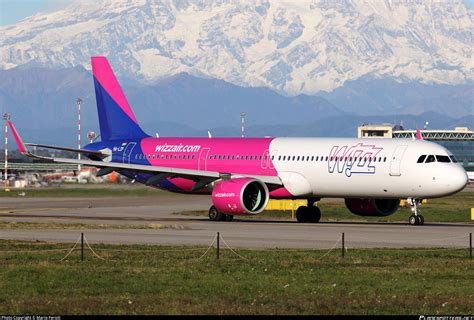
column 415, row 219
column 309, row 213
column 215, row 215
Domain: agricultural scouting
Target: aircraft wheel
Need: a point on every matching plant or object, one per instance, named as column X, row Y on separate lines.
column 314, row 214
column 421, row 220
column 229, row 217
column 414, row 220
column 215, row 215
column 302, row 214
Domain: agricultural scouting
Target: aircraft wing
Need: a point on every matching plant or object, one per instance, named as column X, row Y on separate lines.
column 190, row 173
column 84, row 151
column 159, row 172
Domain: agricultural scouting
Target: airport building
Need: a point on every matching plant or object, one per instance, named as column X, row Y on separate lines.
column 459, row 141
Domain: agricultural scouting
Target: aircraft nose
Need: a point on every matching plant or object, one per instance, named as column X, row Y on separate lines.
column 458, row 179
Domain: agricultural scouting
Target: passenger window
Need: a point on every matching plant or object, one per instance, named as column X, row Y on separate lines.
column 316, row 158
column 279, row 158
column 273, row 157
column 312, row 158
column 421, row 159
column 385, row 159
column 441, row 158
column 430, row 158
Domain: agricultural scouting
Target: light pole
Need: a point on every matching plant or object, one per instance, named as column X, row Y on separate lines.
column 6, row 117
column 79, row 100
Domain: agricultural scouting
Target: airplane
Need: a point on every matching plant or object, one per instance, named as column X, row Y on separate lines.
column 242, row 174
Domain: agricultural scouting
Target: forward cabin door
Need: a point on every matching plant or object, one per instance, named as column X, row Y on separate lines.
column 396, row 160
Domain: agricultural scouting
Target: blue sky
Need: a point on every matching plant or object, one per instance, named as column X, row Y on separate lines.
column 12, row 11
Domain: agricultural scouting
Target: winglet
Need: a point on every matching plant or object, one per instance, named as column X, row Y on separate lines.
column 418, row 135
column 16, row 136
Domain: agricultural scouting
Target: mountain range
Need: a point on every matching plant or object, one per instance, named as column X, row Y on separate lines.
column 42, row 103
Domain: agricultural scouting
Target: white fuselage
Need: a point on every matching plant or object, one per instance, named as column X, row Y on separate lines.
column 346, row 168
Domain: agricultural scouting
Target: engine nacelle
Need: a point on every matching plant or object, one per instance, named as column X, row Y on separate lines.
column 372, row 207
column 240, row 196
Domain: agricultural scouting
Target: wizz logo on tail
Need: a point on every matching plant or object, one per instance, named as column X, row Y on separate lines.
column 353, row 159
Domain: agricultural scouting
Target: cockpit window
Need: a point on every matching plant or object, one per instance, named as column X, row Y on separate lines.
column 421, row 159
column 430, row 158
column 453, row 159
column 440, row 158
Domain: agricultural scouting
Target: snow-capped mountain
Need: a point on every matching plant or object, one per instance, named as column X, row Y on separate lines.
column 293, row 46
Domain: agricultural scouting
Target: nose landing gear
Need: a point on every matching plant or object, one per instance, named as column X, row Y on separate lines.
column 415, row 219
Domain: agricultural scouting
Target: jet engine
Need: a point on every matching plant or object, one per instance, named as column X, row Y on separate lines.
column 372, row 207
column 240, row 196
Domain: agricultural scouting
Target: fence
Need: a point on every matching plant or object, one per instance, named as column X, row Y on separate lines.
column 216, row 241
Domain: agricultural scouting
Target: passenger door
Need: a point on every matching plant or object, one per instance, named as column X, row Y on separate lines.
column 202, row 162
column 396, row 160
column 128, row 151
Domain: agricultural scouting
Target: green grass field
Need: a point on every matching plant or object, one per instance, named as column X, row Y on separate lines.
column 455, row 208
column 173, row 280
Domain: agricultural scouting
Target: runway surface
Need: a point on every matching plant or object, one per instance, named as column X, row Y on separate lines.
column 186, row 230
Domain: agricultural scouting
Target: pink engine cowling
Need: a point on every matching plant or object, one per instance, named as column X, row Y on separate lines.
column 372, row 207
column 240, row 196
